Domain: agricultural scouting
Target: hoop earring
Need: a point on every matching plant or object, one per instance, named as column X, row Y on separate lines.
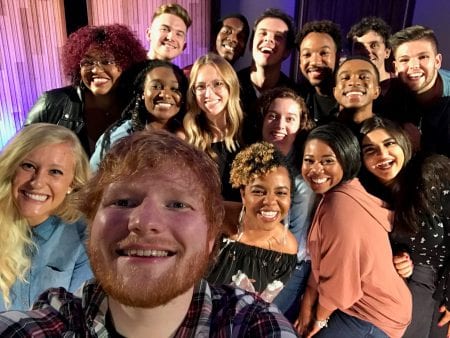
column 240, row 221
column 286, row 222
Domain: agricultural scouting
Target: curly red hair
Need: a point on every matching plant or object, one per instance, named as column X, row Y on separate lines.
column 116, row 39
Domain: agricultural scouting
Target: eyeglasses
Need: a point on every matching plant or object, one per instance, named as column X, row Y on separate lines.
column 88, row 64
column 217, row 86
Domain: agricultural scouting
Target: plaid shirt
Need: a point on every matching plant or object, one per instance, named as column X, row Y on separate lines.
column 214, row 312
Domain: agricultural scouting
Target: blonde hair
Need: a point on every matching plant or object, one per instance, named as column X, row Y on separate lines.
column 198, row 128
column 15, row 234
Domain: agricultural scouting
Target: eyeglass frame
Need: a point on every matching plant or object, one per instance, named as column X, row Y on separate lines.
column 217, row 86
column 103, row 64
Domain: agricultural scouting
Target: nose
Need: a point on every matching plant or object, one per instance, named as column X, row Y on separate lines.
column 233, row 36
column 169, row 35
column 38, row 179
column 269, row 198
column 383, row 151
column 413, row 63
column 269, row 37
column 146, row 217
column 317, row 167
column 281, row 123
column 354, row 80
column 316, row 59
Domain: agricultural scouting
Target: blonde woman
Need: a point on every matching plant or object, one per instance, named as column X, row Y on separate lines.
column 41, row 232
column 214, row 117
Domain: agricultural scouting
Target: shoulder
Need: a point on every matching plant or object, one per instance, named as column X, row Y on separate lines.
column 56, row 313
column 77, row 228
column 249, row 315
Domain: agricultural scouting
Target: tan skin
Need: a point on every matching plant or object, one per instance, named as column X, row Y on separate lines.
column 266, row 193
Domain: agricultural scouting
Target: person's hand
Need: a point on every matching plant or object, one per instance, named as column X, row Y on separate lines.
column 445, row 318
column 304, row 318
column 403, row 264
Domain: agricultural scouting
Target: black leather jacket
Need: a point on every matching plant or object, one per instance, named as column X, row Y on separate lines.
column 62, row 106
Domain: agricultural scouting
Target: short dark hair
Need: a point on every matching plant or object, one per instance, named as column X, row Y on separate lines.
column 277, row 14
column 370, row 23
column 344, row 144
column 363, row 58
column 413, row 33
column 219, row 24
column 321, row 26
column 174, row 9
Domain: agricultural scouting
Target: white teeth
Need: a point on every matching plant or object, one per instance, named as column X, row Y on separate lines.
column 99, row 81
column 415, row 75
column 231, row 49
column 146, row 253
column 353, row 93
column 385, row 164
column 163, row 105
column 266, row 49
column 269, row 214
column 36, row 197
column 319, row 180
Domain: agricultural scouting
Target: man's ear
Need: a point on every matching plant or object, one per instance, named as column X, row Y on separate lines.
column 395, row 63
column 438, row 60
column 377, row 92
column 148, row 32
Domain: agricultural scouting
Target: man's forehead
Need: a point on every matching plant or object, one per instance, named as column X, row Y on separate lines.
column 233, row 23
column 267, row 24
column 171, row 20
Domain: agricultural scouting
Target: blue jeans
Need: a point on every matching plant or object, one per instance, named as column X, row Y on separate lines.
column 288, row 300
column 343, row 325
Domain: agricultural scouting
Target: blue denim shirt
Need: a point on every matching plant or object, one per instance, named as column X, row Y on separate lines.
column 121, row 131
column 445, row 75
column 59, row 260
column 300, row 215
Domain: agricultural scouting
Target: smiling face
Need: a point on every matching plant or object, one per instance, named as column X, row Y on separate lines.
column 138, row 250
column 417, row 64
column 42, row 180
column 230, row 41
column 281, row 123
column 214, row 98
column 162, row 95
column 382, row 155
column 99, row 79
column 356, row 84
column 269, row 45
column 372, row 46
column 267, row 199
column 321, row 168
column 167, row 36
column 317, row 57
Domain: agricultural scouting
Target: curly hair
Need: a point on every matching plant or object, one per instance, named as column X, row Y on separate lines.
column 117, row 40
column 198, row 128
column 370, row 23
column 257, row 160
column 321, row 26
column 15, row 234
column 414, row 33
column 136, row 110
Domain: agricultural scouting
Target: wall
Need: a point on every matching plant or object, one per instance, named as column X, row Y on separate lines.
column 436, row 15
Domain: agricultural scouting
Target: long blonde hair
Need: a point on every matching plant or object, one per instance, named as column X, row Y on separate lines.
column 198, row 128
column 15, row 233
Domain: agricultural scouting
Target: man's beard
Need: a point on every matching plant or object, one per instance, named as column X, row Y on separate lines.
column 133, row 292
